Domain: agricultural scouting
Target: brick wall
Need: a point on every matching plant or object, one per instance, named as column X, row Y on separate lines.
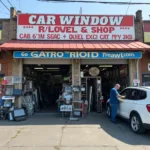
column 5, row 30
column 139, row 26
column 13, row 29
column 143, row 65
column 6, row 63
column 9, row 27
column 13, row 24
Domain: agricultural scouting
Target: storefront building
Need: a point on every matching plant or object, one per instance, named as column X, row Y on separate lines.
column 145, row 61
column 92, row 50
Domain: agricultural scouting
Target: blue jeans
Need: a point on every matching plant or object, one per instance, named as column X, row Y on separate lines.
column 1, row 102
column 114, row 108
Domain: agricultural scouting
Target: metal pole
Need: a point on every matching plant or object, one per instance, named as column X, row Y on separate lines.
column 137, row 70
column 80, row 11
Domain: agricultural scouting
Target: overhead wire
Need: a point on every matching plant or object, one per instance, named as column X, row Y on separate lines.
column 4, row 5
column 95, row 1
column 128, row 7
column 10, row 3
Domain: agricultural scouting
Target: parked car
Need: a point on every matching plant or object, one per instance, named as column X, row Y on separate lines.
column 135, row 108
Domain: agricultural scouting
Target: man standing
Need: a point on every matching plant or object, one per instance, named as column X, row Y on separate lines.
column 114, row 101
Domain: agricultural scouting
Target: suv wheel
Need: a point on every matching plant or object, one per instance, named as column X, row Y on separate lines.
column 108, row 111
column 136, row 123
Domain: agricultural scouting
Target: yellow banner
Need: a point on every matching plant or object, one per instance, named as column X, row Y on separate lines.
column 147, row 37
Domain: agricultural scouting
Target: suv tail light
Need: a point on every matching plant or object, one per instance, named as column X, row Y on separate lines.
column 148, row 107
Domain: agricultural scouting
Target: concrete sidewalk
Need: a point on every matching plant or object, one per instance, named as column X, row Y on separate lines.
column 52, row 132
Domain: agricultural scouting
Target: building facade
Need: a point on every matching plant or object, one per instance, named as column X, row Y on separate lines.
column 8, row 29
column 126, row 55
column 145, row 61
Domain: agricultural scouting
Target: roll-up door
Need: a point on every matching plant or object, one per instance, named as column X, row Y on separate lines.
column 48, row 61
column 104, row 61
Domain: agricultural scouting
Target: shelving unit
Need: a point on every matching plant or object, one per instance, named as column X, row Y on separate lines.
column 98, row 92
column 99, row 101
column 84, row 85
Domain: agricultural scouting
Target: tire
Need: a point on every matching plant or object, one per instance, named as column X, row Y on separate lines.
column 136, row 124
column 108, row 111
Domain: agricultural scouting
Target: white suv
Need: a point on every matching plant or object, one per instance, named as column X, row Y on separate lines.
column 135, row 108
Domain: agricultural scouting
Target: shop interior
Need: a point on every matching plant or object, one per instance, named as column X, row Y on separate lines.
column 99, row 79
column 45, row 83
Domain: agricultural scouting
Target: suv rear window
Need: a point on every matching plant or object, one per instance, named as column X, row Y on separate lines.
column 137, row 95
column 143, row 95
column 134, row 94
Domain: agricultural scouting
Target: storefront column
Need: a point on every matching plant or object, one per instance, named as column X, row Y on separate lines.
column 17, row 71
column 132, row 70
column 76, row 80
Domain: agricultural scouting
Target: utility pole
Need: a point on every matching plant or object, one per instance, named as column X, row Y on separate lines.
column 80, row 12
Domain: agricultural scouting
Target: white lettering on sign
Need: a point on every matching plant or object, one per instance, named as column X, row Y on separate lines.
column 75, row 27
column 67, row 20
column 34, row 19
column 47, row 54
column 94, row 20
column 84, row 54
column 94, row 54
column 74, row 55
column 66, row 108
column 42, row 54
column 119, row 55
column 41, row 20
column 116, row 20
column 85, row 20
column 34, row 54
column 24, row 54
column 78, row 20
column 104, row 21
column 60, row 54
column 51, row 20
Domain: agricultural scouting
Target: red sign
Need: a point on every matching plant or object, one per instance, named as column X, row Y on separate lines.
column 75, row 27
